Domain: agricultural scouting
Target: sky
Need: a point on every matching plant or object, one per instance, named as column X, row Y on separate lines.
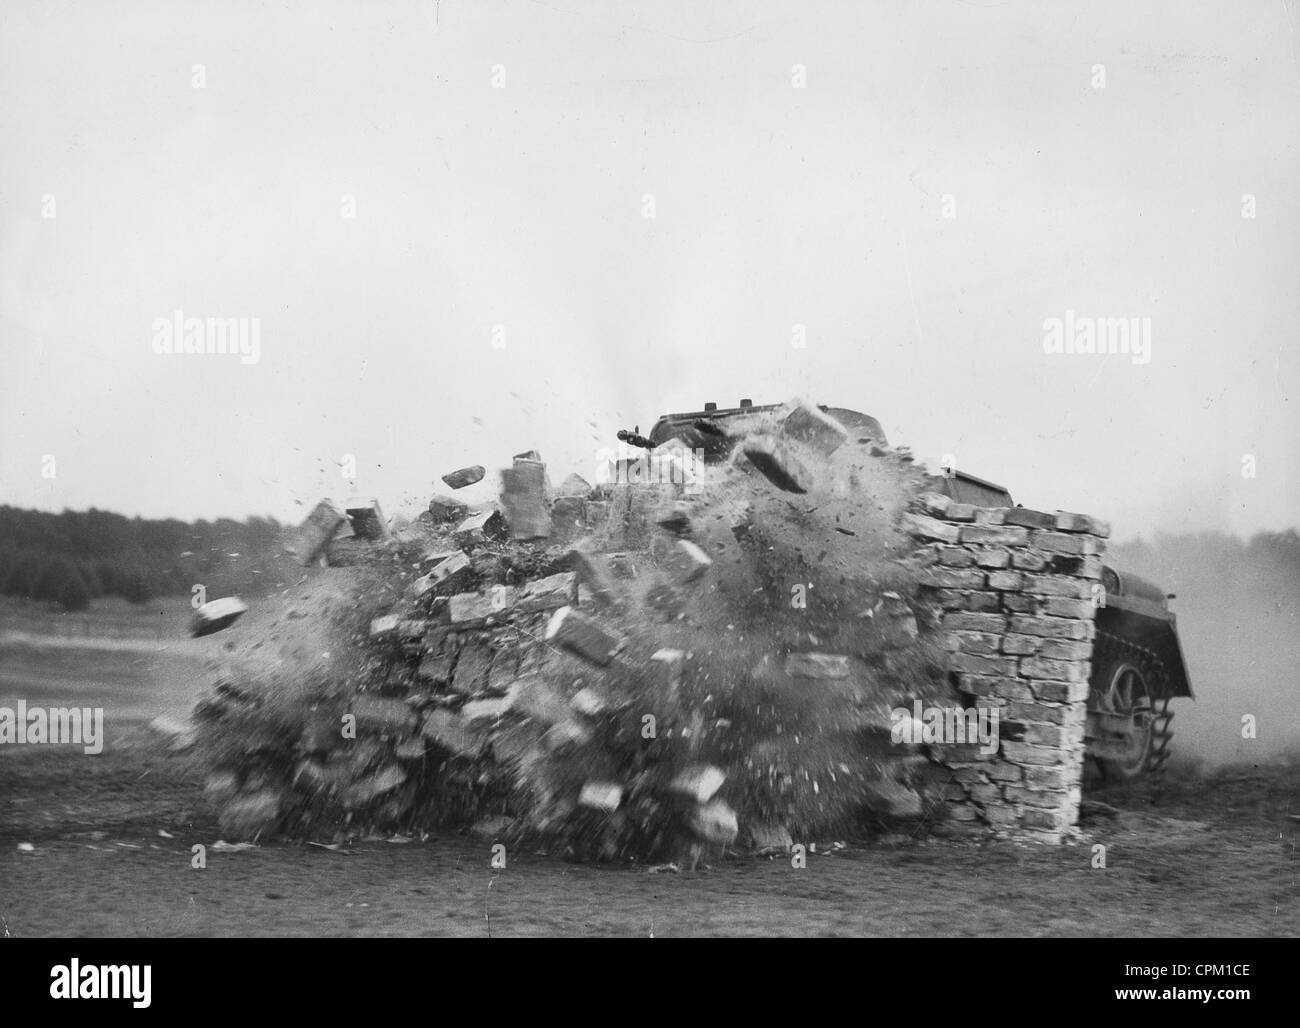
column 468, row 229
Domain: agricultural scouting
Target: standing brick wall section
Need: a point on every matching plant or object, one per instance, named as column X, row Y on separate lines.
column 1015, row 592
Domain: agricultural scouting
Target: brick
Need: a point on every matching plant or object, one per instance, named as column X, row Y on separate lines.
column 604, row 796
column 1059, row 670
column 956, row 557
column 928, row 528
column 665, row 668
column 1047, row 585
column 974, row 642
column 462, row 477
column 534, row 697
column 894, row 623
column 1060, row 692
column 995, row 535
column 1001, row 771
column 983, row 665
column 549, row 593
column 1089, row 567
column 1030, row 518
column 384, row 626
column 1005, row 581
column 480, row 528
column 992, row 558
column 1028, row 560
column 1025, row 754
column 952, row 578
column 436, row 668
column 779, row 464
column 963, row 621
column 1065, row 649
column 1021, row 645
column 1001, row 816
column 367, row 520
column 320, row 527
column 1049, row 777
column 1062, row 542
column 524, row 501
column 595, row 576
column 1046, row 735
column 446, row 572
column 1048, row 627
column 700, row 782
column 1043, row 713
column 443, row 509
column 990, row 515
column 686, row 561
column 382, row 713
column 472, row 666
column 992, row 687
column 817, row 665
column 1036, row 798
column 1082, row 523
column 961, row 512
column 473, row 610
column 574, row 485
column 1034, row 818
column 582, row 636
column 568, row 516
column 934, row 504
column 952, row 599
column 962, row 812
column 1060, row 606
column 959, row 753
column 485, row 710
column 215, row 615
column 814, row 428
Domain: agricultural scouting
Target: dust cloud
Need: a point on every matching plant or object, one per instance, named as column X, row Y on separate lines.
column 1238, row 607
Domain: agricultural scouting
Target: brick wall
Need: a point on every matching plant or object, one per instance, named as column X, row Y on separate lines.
column 1015, row 593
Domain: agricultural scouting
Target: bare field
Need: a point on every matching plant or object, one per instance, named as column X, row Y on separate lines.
column 1194, row 854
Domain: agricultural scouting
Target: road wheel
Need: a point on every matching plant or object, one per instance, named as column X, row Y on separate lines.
column 1125, row 683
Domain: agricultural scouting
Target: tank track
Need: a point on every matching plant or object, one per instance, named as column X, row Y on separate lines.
column 1106, row 647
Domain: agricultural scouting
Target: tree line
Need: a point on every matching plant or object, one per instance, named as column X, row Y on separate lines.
column 74, row 557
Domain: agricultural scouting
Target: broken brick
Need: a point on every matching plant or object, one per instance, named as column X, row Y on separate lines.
column 462, row 477
column 816, row 665
column 477, row 529
column 686, row 561
column 321, row 526
column 813, row 428
column 582, row 636
column 779, row 464
column 523, row 500
column 367, row 520
column 215, row 615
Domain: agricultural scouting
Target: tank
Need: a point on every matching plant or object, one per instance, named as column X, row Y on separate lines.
column 1137, row 662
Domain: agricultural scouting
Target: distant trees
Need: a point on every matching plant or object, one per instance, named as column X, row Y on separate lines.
column 76, row 556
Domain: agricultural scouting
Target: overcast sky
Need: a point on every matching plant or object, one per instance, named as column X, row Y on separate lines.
column 500, row 159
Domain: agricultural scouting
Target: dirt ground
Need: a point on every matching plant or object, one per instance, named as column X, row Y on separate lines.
column 82, row 850
column 1195, row 856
